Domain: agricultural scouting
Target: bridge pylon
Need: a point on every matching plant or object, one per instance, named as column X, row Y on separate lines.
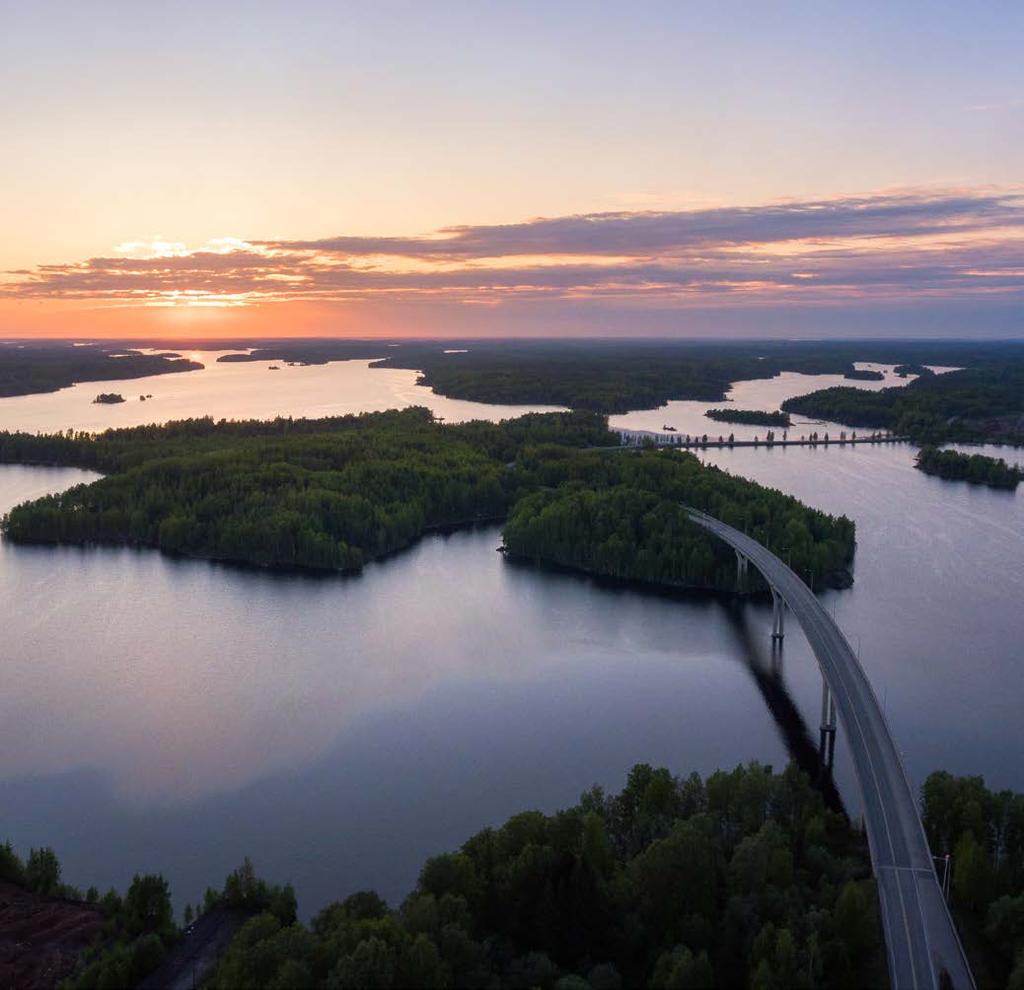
column 741, row 571
column 827, row 742
column 778, row 612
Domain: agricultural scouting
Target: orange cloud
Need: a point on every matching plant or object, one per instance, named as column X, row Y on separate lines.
column 895, row 246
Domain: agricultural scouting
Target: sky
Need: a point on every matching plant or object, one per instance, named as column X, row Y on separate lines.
column 448, row 169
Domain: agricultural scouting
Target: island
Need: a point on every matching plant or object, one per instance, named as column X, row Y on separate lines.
column 976, row 469
column 109, row 398
column 332, row 494
column 985, row 402
column 864, row 375
column 918, row 370
column 752, row 417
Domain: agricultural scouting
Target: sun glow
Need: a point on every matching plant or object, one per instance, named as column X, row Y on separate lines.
column 881, row 247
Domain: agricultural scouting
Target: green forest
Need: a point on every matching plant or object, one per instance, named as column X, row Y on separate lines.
column 976, row 469
column 983, row 402
column 332, row 494
column 742, row 879
column 623, row 517
column 983, row 831
column 750, row 417
column 34, row 367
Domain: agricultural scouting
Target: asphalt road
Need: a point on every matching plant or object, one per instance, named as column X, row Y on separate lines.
column 921, row 940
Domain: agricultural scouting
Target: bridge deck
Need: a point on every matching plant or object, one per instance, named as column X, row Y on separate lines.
column 634, row 438
column 921, row 940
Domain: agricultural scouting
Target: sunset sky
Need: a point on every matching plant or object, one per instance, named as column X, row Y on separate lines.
column 796, row 169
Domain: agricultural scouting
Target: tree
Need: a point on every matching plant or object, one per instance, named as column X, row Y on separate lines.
column 972, row 873
column 855, row 921
column 42, row 871
column 371, row 966
column 680, row 969
column 11, row 867
column 147, row 906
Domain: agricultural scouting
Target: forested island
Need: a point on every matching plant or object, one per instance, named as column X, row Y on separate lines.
column 864, row 375
column 977, row 469
column 332, row 494
column 751, row 417
column 918, row 370
column 30, row 367
column 109, row 398
column 984, row 402
column 742, row 879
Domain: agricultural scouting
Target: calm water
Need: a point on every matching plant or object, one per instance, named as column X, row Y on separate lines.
column 247, row 390
column 176, row 715
column 764, row 394
column 250, row 390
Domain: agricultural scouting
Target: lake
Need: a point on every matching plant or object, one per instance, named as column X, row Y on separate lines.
column 250, row 390
column 241, row 390
column 172, row 715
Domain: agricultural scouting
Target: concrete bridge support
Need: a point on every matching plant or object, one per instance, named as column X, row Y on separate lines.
column 778, row 614
column 827, row 743
column 741, row 571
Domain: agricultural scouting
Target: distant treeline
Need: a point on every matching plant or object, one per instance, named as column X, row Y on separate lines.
column 334, row 493
column 752, row 417
column 976, row 403
column 32, row 367
column 974, row 468
column 614, row 376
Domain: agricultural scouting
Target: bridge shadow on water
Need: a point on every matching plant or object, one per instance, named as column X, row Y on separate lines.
column 764, row 664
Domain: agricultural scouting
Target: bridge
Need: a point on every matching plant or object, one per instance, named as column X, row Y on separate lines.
column 691, row 441
column 923, row 948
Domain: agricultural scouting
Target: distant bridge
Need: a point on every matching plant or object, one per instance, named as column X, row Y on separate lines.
column 923, row 947
column 692, row 441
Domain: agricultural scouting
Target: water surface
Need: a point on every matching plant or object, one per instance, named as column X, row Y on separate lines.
column 174, row 715
column 242, row 390
column 764, row 394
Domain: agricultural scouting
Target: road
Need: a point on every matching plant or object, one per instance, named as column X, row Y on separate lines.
column 194, row 958
column 923, row 947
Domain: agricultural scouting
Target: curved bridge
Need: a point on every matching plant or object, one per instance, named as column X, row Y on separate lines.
column 923, row 947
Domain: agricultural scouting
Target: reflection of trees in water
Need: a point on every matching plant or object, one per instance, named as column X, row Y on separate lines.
column 765, row 667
